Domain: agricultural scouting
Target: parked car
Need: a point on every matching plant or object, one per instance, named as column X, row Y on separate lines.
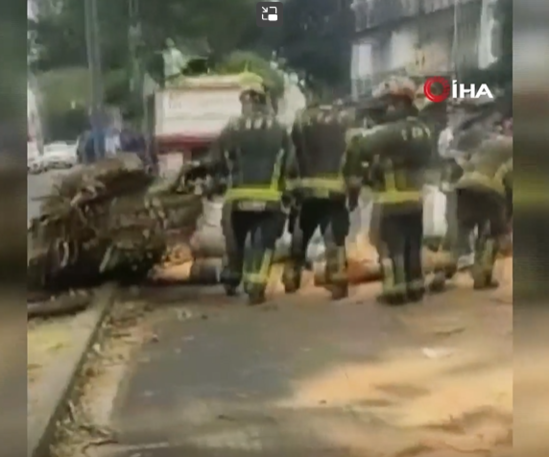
column 34, row 162
column 60, row 155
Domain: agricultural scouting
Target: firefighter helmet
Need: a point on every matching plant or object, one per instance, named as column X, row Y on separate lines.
column 251, row 83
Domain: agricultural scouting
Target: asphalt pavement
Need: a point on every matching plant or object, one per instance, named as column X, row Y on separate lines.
column 38, row 186
column 225, row 383
column 309, row 377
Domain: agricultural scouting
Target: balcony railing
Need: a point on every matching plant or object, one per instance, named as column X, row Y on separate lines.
column 374, row 13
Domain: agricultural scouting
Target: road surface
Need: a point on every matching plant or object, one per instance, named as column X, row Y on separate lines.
column 307, row 377
column 37, row 186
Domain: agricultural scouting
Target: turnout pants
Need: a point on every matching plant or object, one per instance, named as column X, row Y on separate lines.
column 332, row 217
column 457, row 233
column 400, row 240
column 457, row 242
column 250, row 238
column 487, row 213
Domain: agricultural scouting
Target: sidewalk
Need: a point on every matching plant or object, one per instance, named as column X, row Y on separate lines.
column 56, row 351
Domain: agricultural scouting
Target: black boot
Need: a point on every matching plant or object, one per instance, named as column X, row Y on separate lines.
column 483, row 270
column 439, row 282
column 230, row 290
column 230, row 282
column 339, row 291
column 291, row 279
column 486, row 283
column 256, row 294
column 392, row 298
column 416, row 294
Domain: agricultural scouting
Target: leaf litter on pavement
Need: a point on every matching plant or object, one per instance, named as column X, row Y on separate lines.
column 449, row 395
column 87, row 424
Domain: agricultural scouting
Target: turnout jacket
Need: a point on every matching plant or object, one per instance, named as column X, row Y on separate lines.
column 256, row 156
column 318, row 134
column 392, row 159
column 490, row 167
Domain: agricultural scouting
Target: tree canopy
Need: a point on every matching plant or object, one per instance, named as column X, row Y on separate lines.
column 58, row 34
column 316, row 38
column 61, row 35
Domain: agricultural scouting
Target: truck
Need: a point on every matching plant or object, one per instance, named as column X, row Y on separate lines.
column 190, row 113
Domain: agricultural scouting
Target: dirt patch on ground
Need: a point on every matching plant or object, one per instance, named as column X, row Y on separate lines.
column 449, row 394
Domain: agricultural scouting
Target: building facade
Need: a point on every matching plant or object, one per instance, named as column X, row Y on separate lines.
column 421, row 37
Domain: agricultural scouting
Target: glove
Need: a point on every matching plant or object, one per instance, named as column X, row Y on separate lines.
column 292, row 219
column 215, row 187
column 353, row 197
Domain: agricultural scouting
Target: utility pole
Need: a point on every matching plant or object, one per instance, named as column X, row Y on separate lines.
column 134, row 41
column 137, row 67
column 94, row 66
column 135, row 64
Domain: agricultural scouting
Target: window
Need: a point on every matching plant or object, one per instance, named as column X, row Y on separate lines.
column 381, row 55
column 495, row 33
column 361, row 16
column 362, row 59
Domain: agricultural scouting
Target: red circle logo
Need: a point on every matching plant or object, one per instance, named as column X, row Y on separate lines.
column 436, row 96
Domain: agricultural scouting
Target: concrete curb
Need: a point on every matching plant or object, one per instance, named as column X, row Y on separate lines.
column 41, row 429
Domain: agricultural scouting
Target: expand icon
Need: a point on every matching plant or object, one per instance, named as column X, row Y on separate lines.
column 269, row 13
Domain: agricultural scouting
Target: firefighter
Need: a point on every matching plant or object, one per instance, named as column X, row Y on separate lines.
column 482, row 203
column 476, row 125
column 396, row 154
column 318, row 134
column 255, row 156
column 444, row 171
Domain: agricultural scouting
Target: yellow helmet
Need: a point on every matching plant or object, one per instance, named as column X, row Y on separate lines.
column 252, row 82
column 396, row 86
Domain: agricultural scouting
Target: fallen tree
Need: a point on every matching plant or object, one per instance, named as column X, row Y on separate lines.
column 113, row 221
column 104, row 222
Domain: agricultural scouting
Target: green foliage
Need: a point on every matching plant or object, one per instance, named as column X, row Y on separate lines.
column 116, row 87
column 222, row 24
column 316, row 37
column 61, row 87
column 61, row 34
column 240, row 61
column 64, row 101
column 62, row 37
column 64, row 88
column 65, row 98
column 13, row 85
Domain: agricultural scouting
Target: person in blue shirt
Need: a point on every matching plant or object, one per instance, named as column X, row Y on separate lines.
column 89, row 145
column 131, row 140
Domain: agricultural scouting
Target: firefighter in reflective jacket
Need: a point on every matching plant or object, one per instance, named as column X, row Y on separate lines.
column 255, row 155
column 395, row 156
column 482, row 203
column 318, row 134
